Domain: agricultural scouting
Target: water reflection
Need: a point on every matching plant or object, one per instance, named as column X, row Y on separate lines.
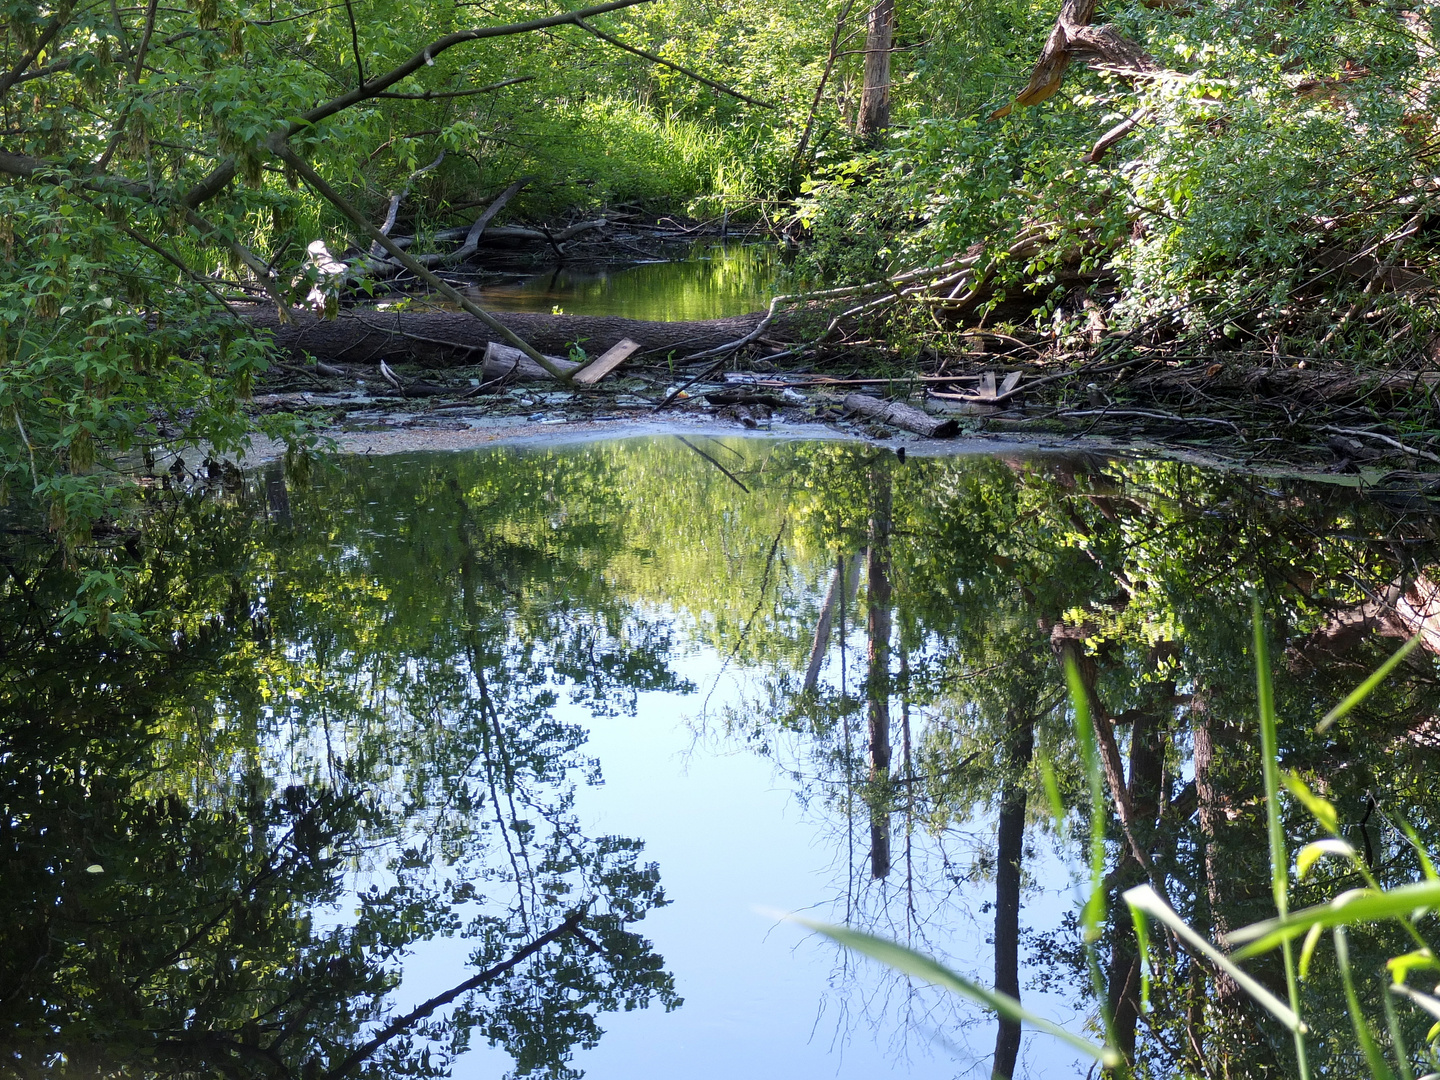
column 706, row 281
column 370, row 709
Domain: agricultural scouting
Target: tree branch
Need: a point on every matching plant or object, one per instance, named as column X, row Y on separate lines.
column 437, row 95
column 666, row 63
column 355, row 44
column 223, row 173
column 57, row 23
column 445, row 289
column 1103, row 46
column 401, row 1024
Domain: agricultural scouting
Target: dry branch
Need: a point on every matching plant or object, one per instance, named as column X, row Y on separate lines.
column 1073, row 36
column 311, row 177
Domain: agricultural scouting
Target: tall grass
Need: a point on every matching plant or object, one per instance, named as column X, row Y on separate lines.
column 1403, row 905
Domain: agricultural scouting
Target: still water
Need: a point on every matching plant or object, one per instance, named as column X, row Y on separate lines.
column 708, row 280
column 503, row 763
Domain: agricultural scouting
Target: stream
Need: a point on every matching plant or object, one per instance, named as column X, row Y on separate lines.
column 392, row 724
column 708, row 279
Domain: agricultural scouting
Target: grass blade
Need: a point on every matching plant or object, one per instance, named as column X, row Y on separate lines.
column 1397, row 1038
column 923, row 967
column 1279, row 863
column 1361, row 692
column 1146, row 899
column 1379, row 1069
column 1425, row 1001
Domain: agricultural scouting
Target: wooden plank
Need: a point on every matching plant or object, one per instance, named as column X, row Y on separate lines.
column 607, row 362
column 1011, row 382
column 987, row 386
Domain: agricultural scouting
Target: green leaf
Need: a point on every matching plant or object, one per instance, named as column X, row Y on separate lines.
column 1348, row 909
column 1322, row 810
column 1307, row 951
column 1416, row 960
column 923, row 967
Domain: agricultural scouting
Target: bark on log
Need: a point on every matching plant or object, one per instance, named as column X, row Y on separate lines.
column 902, row 416
column 452, row 339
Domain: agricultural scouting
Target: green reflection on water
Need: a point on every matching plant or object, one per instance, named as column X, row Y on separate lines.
column 712, row 281
column 352, row 709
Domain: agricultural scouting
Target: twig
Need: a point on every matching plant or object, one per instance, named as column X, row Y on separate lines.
column 1396, row 443
column 680, row 390
column 34, row 472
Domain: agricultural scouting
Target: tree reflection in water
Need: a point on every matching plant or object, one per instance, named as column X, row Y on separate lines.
column 342, row 738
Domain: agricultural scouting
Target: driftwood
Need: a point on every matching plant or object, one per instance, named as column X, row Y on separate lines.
column 453, row 339
column 501, row 362
column 902, row 416
column 503, row 236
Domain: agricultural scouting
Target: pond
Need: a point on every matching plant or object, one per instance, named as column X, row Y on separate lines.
column 706, row 280
column 508, row 762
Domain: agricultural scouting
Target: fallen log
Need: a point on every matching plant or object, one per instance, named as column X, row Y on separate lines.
column 452, row 339
column 902, row 416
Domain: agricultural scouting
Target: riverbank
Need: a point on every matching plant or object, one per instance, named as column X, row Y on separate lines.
column 1230, row 410
column 384, row 427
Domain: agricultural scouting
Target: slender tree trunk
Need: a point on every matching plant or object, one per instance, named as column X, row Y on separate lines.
column 1146, row 762
column 875, row 95
column 843, row 584
column 1019, row 746
column 878, row 681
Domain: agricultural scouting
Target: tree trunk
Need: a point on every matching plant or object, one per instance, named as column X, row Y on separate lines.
column 455, row 339
column 1146, row 761
column 842, row 585
column 875, row 94
column 878, row 682
column 1019, row 746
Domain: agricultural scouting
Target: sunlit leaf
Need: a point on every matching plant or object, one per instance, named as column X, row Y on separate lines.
column 1322, row 810
column 1311, row 853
